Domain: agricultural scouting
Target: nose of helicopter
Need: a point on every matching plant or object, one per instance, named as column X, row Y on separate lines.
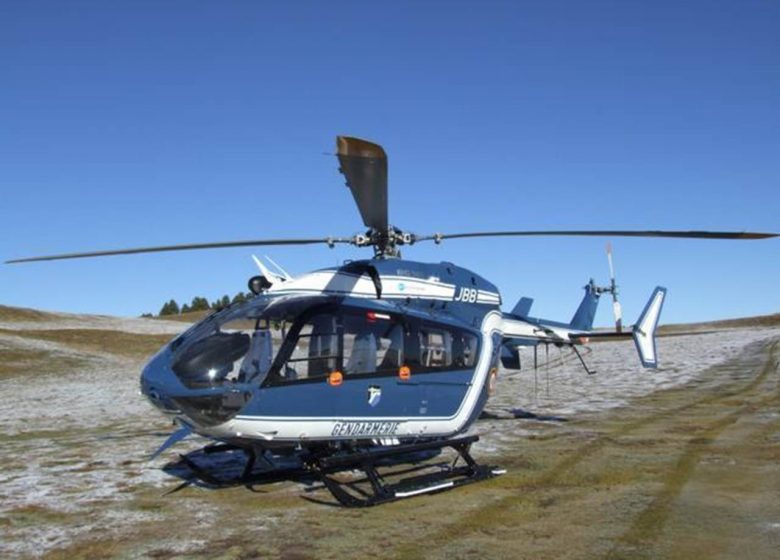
column 192, row 389
column 158, row 382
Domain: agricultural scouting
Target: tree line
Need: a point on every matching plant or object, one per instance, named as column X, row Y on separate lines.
column 198, row 303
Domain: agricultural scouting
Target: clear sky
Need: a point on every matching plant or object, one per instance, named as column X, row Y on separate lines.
column 143, row 123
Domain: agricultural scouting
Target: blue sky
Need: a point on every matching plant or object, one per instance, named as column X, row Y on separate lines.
column 142, row 123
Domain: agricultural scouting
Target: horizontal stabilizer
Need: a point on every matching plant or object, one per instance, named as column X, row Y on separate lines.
column 644, row 330
column 523, row 307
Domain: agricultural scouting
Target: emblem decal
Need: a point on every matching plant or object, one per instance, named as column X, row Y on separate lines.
column 374, row 395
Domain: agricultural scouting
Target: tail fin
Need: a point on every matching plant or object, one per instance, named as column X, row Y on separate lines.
column 523, row 307
column 644, row 330
column 586, row 312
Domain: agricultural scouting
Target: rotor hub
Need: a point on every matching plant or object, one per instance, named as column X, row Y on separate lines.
column 384, row 242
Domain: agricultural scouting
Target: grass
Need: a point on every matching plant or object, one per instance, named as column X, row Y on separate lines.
column 129, row 345
column 22, row 361
column 654, row 480
column 742, row 322
column 33, row 514
column 684, row 473
column 18, row 314
column 190, row 317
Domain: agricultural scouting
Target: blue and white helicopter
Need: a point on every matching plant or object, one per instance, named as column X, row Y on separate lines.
column 380, row 361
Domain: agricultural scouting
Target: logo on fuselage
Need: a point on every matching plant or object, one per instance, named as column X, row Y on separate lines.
column 374, row 395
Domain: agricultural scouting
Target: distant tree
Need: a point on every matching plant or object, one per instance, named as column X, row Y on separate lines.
column 220, row 303
column 199, row 304
column 170, row 308
column 147, row 315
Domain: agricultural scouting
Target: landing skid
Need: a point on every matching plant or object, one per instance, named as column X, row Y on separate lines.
column 248, row 477
column 372, row 488
column 446, row 477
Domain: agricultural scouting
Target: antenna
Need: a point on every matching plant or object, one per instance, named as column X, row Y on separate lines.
column 269, row 275
column 279, row 268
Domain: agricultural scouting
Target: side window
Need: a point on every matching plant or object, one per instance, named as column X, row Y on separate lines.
column 358, row 342
column 391, row 349
column 373, row 343
column 316, row 350
column 464, row 350
column 432, row 347
column 435, row 348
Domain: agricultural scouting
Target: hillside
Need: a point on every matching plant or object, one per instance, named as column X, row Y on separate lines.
column 772, row 320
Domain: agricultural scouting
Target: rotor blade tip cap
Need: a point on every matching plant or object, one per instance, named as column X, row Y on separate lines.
column 351, row 146
column 364, row 164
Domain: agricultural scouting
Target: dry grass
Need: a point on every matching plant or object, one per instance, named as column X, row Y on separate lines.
column 191, row 317
column 742, row 322
column 23, row 361
column 17, row 314
column 129, row 345
column 682, row 473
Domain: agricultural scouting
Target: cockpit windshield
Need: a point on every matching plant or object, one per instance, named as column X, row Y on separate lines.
column 237, row 344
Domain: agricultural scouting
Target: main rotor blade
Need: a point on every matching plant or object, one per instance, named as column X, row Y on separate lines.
column 185, row 247
column 364, row 165
column 604, row 233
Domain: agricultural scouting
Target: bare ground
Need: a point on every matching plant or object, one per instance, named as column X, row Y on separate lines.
column 678, row 464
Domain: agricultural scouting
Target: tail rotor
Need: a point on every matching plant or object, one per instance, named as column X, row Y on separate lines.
column 616, row 309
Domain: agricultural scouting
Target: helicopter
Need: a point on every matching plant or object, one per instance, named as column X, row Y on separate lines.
column 380, row 361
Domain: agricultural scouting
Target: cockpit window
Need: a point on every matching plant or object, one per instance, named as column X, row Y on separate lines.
column 238, row 351
column 236, row 345
column 265, row 342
